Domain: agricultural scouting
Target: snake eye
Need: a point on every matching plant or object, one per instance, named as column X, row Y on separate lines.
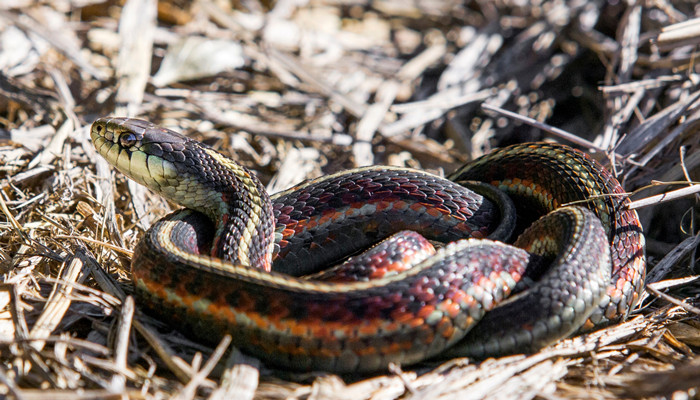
column 127, row 139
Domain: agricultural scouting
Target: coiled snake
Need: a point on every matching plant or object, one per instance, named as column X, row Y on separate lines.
column 206, row 268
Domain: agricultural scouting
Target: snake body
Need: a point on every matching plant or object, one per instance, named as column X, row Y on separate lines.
column 208, row 270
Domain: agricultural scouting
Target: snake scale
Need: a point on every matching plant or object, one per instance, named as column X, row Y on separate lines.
column 232, row 260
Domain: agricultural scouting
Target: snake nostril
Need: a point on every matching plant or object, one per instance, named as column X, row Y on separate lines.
column 127, row 139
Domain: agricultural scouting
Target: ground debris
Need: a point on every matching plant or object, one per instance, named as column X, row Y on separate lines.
column 294, row 90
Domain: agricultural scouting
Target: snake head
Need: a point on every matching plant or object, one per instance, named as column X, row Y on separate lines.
column 163, row 160
column 135, row 148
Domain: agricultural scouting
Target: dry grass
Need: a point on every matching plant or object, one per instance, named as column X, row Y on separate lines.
column 297, row 89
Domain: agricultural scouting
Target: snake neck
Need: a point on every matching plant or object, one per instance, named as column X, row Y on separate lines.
column 244, row 233
column 241, row 210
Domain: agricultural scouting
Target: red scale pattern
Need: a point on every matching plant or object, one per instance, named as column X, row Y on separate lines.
column 326, row 220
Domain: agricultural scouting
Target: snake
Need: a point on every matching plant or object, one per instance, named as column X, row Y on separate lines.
column 238, row 261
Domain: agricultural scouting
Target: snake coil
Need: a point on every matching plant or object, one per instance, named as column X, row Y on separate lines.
column 229, row 262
